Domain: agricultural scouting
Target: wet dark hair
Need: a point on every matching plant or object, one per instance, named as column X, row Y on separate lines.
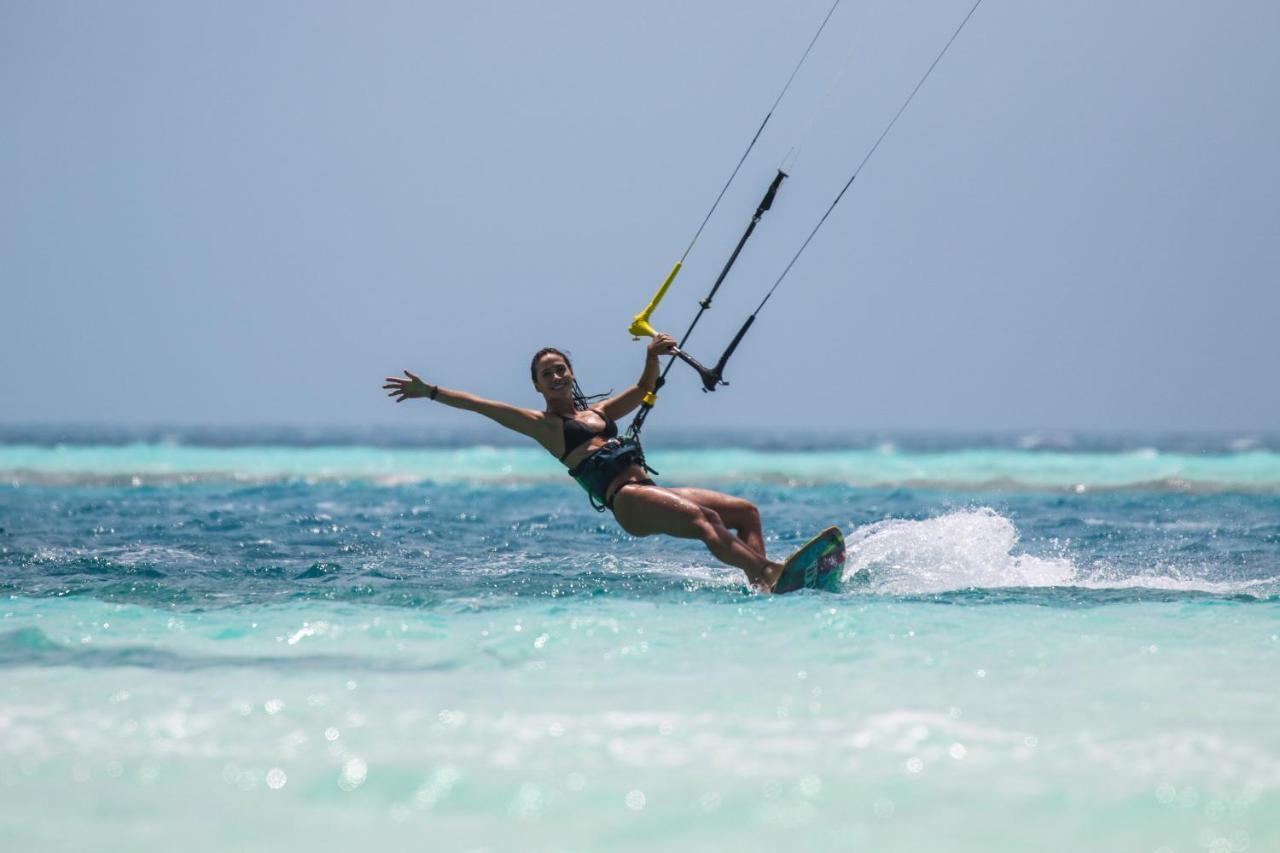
column 581, row 401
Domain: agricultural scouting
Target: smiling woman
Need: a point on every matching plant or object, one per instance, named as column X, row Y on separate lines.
column 612, row 470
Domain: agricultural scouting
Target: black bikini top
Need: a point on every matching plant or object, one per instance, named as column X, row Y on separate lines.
column 577, row 434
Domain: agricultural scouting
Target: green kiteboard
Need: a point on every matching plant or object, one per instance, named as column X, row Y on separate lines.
column 818, row 564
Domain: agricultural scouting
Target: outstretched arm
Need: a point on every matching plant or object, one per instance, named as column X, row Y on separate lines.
column 619, row 406
column 523, row 421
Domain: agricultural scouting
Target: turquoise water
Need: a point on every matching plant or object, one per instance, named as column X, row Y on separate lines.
column 243, row 644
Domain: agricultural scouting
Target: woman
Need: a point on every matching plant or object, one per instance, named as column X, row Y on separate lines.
column 583, row 437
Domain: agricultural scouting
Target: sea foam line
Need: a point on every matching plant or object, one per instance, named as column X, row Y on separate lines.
column 969, row 470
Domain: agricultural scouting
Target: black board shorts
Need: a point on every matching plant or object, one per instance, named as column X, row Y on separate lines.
column 602, row 467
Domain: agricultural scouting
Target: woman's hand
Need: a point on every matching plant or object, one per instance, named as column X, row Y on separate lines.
column 406, row 389
column 662, row 344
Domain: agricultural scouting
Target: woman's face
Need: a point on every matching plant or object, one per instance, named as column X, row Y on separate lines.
column 552, row 376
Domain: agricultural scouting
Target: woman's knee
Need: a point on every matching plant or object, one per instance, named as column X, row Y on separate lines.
column 741, row 515
column 712, row 517
column 711, row 525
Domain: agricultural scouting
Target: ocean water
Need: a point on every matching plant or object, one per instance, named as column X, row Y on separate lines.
column 278, row 640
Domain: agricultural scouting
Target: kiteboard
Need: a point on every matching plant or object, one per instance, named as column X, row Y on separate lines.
column 818, row 564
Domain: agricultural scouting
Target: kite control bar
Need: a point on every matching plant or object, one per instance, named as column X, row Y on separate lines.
column 711, row 377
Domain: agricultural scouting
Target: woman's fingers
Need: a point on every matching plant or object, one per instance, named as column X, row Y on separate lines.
column 401, row 388
column 397, row 387
column 662, row 342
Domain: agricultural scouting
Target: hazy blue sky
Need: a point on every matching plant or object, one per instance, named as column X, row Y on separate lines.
column 251, row 212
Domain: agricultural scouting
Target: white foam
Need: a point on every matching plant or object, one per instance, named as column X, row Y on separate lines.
column 960, row 550
column 1173, row 580
column 975, row 549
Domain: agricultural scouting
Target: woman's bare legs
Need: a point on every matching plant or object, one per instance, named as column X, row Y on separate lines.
column 738, row 514
column 646, row 510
